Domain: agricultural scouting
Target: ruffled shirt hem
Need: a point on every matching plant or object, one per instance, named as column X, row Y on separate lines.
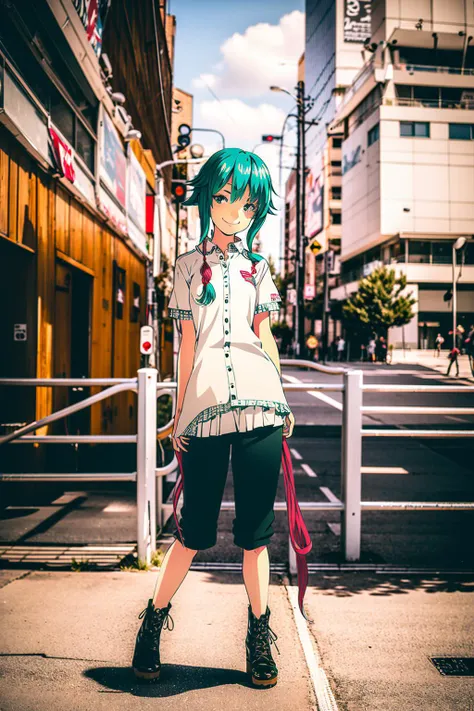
column 236, row 420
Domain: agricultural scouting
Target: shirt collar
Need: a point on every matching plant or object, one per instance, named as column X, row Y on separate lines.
column 237, row 246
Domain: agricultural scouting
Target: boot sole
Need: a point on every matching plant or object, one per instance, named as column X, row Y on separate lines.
column 148, row 676
column 261, row 682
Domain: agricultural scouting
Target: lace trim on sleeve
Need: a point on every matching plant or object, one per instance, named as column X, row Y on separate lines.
column 269, row 306
column 180, row 313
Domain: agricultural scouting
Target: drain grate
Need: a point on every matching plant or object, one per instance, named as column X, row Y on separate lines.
column 454, row 666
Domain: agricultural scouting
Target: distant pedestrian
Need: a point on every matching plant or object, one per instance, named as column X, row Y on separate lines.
column 341, row 344
column 453, row 358
column 469, row 343
column 438, row 343
column 333, row 348
column 371, row 350
column 424, row 336
column 381, row 350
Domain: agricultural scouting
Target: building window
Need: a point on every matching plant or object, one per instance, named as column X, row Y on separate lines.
column 374, row 134
column 417, row 129
column 419, row 252
column 336, row 192
column 336, row 218
column 461, row 131
column 337, row 142
column 136, row 303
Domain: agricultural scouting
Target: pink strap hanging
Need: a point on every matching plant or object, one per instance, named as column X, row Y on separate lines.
column 299, row 536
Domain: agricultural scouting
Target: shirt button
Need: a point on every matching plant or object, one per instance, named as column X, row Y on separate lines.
column 227, row 301
column 226, row 355
column 232, row 385
column 229, row 368
column 233, row 397
column 226, row 331
column 226, row 319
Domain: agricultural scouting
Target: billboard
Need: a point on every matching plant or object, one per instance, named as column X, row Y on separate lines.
column 314, row 204
column 93, row 14
column 113, row 166
column 357, row 20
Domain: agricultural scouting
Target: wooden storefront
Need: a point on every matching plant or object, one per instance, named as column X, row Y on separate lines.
column 60, row 265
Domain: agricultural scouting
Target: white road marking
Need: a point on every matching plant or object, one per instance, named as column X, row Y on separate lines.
column 296, row 454
column 308, row 470
column 456, row 419
column 383, row 470
column 320, row 396
column 324, row 695
column 329, row 495
column 335, row 528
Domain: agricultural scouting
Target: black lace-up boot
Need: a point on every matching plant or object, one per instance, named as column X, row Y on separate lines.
column 146, row 658
column 260, row 663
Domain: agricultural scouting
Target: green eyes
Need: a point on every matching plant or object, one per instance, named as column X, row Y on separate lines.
column 249, row 207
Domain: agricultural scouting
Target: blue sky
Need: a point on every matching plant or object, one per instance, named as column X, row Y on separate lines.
column 227, row 54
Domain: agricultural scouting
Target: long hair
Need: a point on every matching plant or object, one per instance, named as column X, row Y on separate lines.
column 245, row 169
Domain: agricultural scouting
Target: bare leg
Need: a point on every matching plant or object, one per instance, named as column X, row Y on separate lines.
column 256, row 574
column 174, row 568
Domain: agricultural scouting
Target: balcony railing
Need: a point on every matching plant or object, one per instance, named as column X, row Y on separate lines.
column 430, row 103
column 437, row 70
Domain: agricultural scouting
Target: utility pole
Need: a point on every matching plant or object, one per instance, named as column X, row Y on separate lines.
column 301, row 247
column 297, row 310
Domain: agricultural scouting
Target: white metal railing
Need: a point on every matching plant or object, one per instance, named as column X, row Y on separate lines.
column 149, row 489
column 148, row 477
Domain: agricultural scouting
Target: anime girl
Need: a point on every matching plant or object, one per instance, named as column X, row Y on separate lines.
column 230, row 401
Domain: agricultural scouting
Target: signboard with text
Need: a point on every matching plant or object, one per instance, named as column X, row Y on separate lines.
column 113, row 166
column 92, row 14
column 314, row 204
column 357, row 20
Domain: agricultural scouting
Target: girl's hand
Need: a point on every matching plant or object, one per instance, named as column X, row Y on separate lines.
column 289, row 425
column 179, row 442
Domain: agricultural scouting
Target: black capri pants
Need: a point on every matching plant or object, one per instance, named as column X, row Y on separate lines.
column 256, row 460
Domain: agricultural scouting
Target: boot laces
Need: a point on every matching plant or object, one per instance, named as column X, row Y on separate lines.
column 159, row 619
column 264, row 638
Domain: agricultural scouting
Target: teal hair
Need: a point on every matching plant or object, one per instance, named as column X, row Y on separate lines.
column 245, row 169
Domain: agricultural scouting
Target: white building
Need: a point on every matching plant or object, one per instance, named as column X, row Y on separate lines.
column 408, row 160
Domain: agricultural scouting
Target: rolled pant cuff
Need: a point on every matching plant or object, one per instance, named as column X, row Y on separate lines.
column 197, row 545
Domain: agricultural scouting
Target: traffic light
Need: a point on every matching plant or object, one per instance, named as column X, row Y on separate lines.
column 270, row 139
column 179, row 191
column 184, row 137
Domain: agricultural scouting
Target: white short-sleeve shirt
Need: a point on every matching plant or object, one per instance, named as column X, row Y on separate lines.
column 234, row 384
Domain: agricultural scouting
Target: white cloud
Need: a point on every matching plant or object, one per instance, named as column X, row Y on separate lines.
column 264, row 55
column 242, row 125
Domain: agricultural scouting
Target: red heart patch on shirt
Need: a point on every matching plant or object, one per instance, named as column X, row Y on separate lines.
column 248, row 277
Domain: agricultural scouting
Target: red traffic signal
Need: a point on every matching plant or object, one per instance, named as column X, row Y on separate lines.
column 179, row 191
column 270, row 138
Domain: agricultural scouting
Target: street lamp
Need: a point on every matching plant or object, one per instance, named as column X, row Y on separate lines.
column 460, row 242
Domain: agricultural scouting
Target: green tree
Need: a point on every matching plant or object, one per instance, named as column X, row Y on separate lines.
column 378, row 304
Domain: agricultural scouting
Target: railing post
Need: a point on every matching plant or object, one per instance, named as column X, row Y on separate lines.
column 292, row 567
column 351, row 463
column 146, row 464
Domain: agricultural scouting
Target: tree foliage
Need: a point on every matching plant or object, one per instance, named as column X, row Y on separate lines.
column 379, row 304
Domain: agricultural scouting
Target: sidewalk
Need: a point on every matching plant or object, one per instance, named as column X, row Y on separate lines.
column 68, row 638
column 427, row 359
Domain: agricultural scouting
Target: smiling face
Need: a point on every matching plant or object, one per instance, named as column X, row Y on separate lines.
column 232, row 217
